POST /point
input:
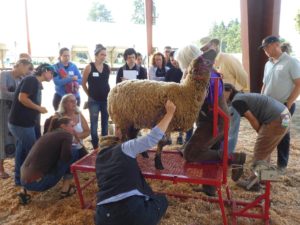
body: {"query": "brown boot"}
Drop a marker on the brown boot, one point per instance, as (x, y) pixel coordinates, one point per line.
(237, 162)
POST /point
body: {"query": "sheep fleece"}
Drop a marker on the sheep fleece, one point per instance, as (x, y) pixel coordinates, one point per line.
(141, 104)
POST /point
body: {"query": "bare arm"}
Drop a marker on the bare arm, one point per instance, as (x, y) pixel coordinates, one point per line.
(294, 94)
(26, 101)
(86, 130)
(252, 119)
(164, 123)
(85, 76)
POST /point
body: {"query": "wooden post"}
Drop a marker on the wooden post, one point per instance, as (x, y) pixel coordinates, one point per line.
(27, 29)
(258, 20)
(149, 22)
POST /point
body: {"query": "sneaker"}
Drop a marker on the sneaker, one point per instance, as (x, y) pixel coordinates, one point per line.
(281, 170)
(237, 165)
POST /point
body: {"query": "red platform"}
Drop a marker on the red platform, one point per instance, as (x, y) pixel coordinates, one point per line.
(177, 170)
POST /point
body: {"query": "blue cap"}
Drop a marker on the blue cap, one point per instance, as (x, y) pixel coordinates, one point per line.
(269, 40)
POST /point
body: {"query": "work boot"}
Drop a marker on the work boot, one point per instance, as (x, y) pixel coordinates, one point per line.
(250, 184)
(207, 189)
(237, 162)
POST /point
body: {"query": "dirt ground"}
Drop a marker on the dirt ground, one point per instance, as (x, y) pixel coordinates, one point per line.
(47, 209)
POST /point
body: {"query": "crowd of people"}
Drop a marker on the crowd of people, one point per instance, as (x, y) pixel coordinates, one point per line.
(41, 161)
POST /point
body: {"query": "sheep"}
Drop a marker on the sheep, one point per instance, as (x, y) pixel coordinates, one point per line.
(138, 104)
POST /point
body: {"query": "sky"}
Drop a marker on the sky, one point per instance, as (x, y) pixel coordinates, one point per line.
(59, 23)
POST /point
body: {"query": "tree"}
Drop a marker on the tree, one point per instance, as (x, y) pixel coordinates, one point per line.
(100, 13)
(138, 16)
(297, 19)
(229, 36)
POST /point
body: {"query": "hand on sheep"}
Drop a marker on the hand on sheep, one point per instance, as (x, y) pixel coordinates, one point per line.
(164, 123)
(170, 107)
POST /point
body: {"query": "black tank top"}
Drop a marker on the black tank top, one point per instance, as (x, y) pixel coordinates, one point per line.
(98, 83)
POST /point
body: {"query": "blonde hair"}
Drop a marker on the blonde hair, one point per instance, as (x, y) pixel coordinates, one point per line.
(185, 55)
(61, 109)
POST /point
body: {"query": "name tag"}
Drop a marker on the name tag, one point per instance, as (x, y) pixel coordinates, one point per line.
(95, 74)
(279, 67)
(71, 73)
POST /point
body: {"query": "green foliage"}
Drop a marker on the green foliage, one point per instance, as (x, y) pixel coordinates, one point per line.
(99, 13)
(229, 36)
(297, 19)
(138, 16)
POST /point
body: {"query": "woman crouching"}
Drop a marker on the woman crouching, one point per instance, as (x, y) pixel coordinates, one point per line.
(50, 158)
(124, 197)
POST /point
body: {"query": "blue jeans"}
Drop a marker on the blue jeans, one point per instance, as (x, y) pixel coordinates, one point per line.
(25, 138)
(134, 210)
(283, 148)
(94, 108)
(234, 128)
(48, 181)
(189, 134)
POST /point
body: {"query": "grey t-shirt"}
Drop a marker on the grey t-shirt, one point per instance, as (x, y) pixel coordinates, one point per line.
(264, 108)
(279, 77)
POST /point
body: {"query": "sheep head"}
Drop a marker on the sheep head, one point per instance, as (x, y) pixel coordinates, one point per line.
(199, 70)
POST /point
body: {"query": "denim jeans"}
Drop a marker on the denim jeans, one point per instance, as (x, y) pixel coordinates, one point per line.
(134, 210)
(25, 138)
(189, 134)
(234, 128)
(62, 169)
(49, 180)
(283, 148)
(94, 108)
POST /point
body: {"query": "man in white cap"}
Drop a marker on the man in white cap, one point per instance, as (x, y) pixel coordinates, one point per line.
(232, 72)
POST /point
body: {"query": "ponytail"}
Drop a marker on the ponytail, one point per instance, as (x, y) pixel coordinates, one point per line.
(56, 122)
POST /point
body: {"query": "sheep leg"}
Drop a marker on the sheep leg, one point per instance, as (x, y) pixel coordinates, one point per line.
(160, 145)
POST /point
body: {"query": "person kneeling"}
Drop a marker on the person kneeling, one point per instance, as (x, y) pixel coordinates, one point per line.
(50, 158)
(124, 197)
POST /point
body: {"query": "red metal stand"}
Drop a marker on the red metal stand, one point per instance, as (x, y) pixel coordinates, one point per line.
(178, 170)
(241, 209)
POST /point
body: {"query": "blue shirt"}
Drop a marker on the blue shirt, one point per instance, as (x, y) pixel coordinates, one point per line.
(132, 148)
(60, 82)
(279, 77)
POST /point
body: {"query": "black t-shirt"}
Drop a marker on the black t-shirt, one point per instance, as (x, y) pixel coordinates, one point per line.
(98, 83)
(174, 75)
(21, 115)
(142, 72)
(169, 64)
